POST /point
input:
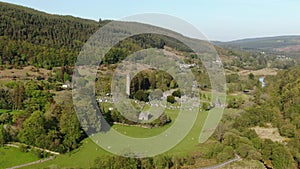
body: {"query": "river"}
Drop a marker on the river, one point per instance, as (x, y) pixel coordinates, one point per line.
(262, 80)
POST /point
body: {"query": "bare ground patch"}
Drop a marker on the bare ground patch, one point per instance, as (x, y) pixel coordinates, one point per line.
(269, 133)
(25, 73)
(261, 72)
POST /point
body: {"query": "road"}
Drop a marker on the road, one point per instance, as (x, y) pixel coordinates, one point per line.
(237, 158)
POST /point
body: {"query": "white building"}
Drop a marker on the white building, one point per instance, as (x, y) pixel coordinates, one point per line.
(144, 116)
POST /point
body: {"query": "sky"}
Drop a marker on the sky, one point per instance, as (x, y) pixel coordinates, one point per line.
(222, 20)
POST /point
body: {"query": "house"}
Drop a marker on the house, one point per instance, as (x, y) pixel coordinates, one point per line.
(144, 116)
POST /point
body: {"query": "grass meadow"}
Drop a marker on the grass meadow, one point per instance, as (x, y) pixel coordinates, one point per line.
(11, 156)
(84, 156)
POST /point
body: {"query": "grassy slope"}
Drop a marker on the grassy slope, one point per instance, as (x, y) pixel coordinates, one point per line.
(11, 156)
(84, 156)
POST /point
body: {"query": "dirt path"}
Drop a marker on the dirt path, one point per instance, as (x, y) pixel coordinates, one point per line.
(31, 163)
(237, 158)
(16, 144)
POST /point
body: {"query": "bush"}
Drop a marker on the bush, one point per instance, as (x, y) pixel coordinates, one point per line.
(141, 96)
(39, 153)
(161, 121)
(176, 93)
(287, 130)
(189, 160)
(171, 99)
(24, 148)
(231, 139)
(226, 154)
(251, 76)
(163, 162)
(206, 106)
(244, 149)
(232, 78)
(39, 77)
(235, 103)
(254, 155)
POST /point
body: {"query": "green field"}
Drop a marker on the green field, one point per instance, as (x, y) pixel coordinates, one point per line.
(11, 156)
(88, 151)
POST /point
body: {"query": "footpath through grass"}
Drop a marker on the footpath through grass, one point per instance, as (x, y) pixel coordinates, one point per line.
(12, 156)
(83, 157)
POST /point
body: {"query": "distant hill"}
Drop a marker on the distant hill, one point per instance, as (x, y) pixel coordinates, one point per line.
(287, 45)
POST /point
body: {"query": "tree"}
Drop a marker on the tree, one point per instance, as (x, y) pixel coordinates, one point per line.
(5, 118)
(70, 127)
(244, 149)
(235, 103)
(54, 141)
(226, 154)
(176, 93)
(145, 84)
(281, 157)
(162, 162)
(147, 162)
(232, 78)
(141, 96)
(152, 79)
(18, 95)
(205, 106)
(220, 131)
(171, 99)
(2, 138)
(67, 77)
(173, 84)
(251, 76)
(33, 132)
(287, 130)
(5, 99)
(231, 139)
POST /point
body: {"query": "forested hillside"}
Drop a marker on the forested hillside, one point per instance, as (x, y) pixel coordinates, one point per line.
(30, 37)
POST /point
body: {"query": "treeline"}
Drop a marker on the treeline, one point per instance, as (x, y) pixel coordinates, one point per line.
(150, 79)
(116, 162)
(36, 118)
